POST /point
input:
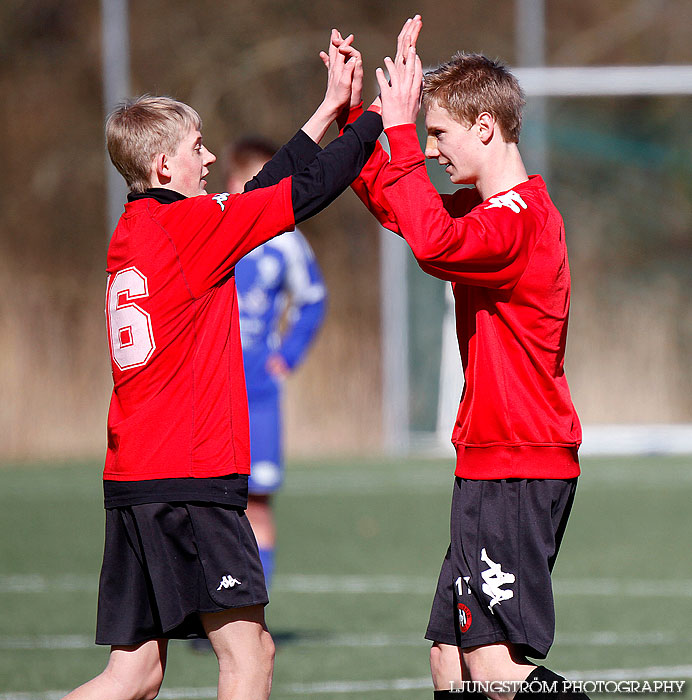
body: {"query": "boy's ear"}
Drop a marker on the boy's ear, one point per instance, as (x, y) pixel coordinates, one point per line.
(486, 125)
(161, 164)
(160, 169)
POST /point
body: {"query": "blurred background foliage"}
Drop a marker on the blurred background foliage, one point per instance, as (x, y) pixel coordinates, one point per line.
(619, 169)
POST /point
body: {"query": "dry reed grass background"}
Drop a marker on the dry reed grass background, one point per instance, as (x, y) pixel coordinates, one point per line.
(253, 65)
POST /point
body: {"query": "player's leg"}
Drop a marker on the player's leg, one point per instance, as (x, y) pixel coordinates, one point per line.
(508, 534)
(445, 667)
(494, 662)
(445, 658)
(126, 615)
(133, 673)
(260, 513)
(231, 586)
(245, 652)
(490, 663)
(267, 474)
(503, 662)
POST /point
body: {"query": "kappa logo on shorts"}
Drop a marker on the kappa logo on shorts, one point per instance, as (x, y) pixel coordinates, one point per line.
(494, 578)
(465, 618)
(228, 582)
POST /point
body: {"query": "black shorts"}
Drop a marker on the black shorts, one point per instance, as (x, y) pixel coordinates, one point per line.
(164, 563)
(495, 581)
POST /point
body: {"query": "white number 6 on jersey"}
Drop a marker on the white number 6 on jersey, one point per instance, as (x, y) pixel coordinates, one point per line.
(129, 326)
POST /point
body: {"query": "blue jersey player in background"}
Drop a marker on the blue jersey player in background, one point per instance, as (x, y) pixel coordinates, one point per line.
(282, 301)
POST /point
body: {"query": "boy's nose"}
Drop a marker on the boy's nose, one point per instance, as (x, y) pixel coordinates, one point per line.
(431, 147)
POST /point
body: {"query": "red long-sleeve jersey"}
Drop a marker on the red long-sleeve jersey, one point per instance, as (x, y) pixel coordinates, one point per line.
(179, 407)
(178, 416)
(507, 261)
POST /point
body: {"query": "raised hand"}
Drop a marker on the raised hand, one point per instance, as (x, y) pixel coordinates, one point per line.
(343, 62)
(408, 36)
(401, 96)
(337, 45)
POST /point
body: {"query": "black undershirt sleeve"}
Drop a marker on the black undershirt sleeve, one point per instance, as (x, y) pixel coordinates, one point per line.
(333, 169)
(291, 158)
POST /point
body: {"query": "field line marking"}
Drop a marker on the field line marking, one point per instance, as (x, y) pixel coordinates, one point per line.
(603, 638)
(38, 583)
(400, 684)
(68, 642)
(383, 584)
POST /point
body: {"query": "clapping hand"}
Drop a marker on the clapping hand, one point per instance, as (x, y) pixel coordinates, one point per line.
(339, 45)
(408, 36)
(401, 95)
(344, 80)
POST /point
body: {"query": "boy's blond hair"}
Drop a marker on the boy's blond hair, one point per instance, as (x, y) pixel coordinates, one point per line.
(470, 84)
(142, 127)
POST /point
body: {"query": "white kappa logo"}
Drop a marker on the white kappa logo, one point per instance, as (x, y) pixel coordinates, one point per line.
(228, 582)
(494, 578)
(220, 199)
(510, 199)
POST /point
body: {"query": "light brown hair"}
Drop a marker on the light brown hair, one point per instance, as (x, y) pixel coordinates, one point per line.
(142, 127)
(470, 84)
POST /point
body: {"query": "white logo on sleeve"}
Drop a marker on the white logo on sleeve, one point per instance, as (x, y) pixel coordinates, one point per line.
(228, 582)
(220, 199)
(494, 578)
(510, 199)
